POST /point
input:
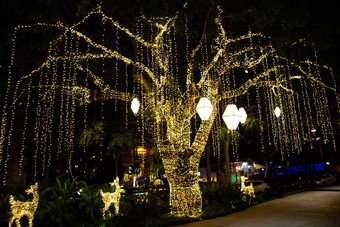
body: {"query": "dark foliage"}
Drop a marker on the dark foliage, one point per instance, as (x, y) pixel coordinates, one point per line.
(221, 199)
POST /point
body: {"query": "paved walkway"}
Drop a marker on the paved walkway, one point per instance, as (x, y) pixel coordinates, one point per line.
(320, 207)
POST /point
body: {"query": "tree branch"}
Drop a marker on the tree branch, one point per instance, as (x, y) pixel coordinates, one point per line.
(115, 54)
(107, 92)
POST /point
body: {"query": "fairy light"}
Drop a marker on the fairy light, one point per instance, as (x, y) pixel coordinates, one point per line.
(102, 100)
(307, 107)
(116, 68)
(294, 114)
(323, 102)
(187, 51)
(285, 119)
(267, 110)
(288, 119)
(62, 101)
(52, 106)
(218, 125)
(320, 99)
(269, 103)
(335, 90)
(44, 120)
(175, 55)
(20, 209)
(258, 97)
(180, 149)
(25, 126)
(37, 125)
(52, 90)
(69, 107)
(4, 112)
(85, 105)
(338, 103)
(73, 78)
(274, 120)
(9, 83)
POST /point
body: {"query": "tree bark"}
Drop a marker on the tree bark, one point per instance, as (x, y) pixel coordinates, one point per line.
(181, 160)
(265, 173)
(185, 196)
(116, 164)
(208, 165)
(227, 162)
(219, 173)
(226, 150)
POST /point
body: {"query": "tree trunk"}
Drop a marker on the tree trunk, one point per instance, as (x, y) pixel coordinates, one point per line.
(226, 151)
(185, 199)
(207, 164)
(219, 169)
(227, 162)
(265, 173)
(181, 160)
(116, 164)
(181, 173)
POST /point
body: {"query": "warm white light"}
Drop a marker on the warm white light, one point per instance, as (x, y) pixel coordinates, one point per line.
(108, 198)
(246, 71)
(204, 108)
(135, 105)
(20, 209)
(231, 117)
(243, 115)
(277, 112)
(313, 130)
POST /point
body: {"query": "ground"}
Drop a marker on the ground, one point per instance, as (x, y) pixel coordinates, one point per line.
(319, 207)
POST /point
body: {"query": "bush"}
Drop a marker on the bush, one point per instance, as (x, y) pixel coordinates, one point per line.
(89, 206)
(73, 203)
(222, 199)
(57, 204)
(4, 210)
(223, 195)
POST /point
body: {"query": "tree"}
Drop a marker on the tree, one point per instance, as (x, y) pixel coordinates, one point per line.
(168, 91)
(228, 137)
(91, 135)
(120, 142)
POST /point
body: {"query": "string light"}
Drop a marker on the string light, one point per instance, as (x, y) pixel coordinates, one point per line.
(25, 127)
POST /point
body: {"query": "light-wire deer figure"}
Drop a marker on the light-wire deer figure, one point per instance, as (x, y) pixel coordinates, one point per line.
(21, 208)
(248, 190)
(108, 198)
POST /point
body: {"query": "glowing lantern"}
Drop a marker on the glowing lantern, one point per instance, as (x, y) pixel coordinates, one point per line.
(243, 115)
(135, 105)
(204, 108)
(231, 117)
(277, 112)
